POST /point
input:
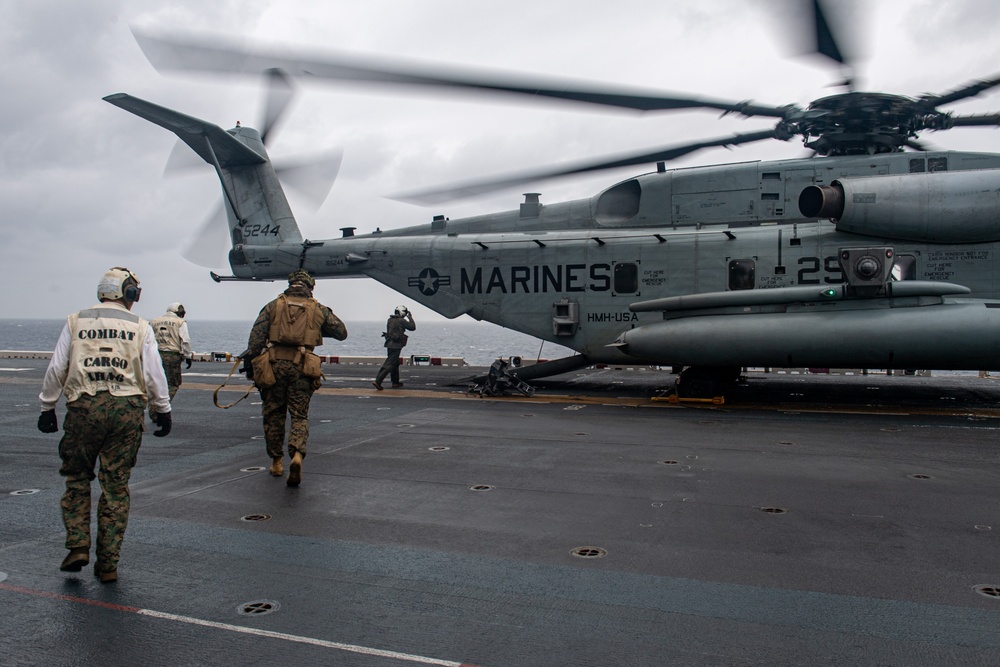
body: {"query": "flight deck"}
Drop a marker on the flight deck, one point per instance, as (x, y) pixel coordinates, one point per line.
(820, 520)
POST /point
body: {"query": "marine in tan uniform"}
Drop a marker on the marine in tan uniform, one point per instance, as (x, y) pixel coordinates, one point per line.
(174, 343)
(106, 364)
(395, 336)
(288, 329)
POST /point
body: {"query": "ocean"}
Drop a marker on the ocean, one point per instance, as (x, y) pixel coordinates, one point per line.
(479, 343)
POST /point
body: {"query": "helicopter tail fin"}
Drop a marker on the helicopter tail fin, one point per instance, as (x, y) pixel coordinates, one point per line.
(256, 207)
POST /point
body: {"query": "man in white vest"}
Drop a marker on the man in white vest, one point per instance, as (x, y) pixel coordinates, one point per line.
(107, 365)
(172, 338)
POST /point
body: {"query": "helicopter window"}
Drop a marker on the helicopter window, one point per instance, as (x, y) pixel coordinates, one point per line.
(905, 268)
(937, 164)
(626, 278)
(741, 274)
(917, 165)
(769, 196)
(619, 203)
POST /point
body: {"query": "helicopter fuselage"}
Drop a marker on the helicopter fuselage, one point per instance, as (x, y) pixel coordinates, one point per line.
(874, 261)
(569, 272)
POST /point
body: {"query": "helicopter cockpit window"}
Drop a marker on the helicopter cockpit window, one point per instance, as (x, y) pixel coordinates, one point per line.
(626, 278)
(917, 165)
(741, 274)
(905, 268)
(619, 203)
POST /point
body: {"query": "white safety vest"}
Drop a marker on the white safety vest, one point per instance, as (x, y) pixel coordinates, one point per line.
(167, 329)
(105, 353)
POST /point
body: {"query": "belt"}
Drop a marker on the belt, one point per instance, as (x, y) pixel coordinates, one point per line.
(286, 353)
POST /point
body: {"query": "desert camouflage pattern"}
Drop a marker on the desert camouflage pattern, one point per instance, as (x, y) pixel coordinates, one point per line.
(290, 394)
(106, 429)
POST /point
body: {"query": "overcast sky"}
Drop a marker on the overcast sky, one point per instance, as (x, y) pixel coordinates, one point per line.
(82, 185)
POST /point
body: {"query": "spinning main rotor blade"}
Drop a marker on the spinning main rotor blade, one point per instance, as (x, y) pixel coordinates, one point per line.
(826, 41)
(474, 188)
(279, 94)
(192, 55)
(971, 89)
(973, 121)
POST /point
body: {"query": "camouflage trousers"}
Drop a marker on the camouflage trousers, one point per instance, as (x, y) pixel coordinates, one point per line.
(390, 366)
(172, 368)
(290, 394)
(108, 429)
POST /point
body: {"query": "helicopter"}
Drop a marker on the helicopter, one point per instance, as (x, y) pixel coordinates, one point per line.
(863, 256)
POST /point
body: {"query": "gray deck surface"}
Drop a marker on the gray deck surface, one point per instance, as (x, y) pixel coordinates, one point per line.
(809, 520)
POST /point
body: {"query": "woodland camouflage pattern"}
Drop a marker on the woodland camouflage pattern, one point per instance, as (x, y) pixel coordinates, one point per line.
(108, 428)
(291, 393)
(172, 369)
(292, 390)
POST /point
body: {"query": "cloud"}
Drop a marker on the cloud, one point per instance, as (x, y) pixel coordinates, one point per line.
(82, 184)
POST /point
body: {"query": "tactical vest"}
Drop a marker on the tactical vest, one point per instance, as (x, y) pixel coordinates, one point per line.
(296, 321)
(167, 329)
(105, 353)
(395, 333)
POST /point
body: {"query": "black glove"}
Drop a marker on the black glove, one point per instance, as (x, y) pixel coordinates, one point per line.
(247, 367)
(189, 363)
(161, 419)
(47, 422)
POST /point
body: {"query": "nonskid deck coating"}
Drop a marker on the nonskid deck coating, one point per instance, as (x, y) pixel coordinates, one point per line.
(889, 526)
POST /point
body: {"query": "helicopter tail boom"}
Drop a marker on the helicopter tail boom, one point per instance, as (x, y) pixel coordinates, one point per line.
(256, 207)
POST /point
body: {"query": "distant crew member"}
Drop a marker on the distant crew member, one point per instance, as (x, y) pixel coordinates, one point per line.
(395, 336)
(287, 330)
(174, 342)
(106, 363)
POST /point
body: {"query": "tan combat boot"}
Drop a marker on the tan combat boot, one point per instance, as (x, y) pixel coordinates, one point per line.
(295, 470)
(277, 468)
(75, 559)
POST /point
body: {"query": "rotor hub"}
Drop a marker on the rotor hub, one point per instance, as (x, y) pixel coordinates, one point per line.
(861, 123)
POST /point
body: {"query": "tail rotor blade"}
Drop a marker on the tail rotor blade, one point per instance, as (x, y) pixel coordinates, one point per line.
(312, 178)
(207, 247)
(182, 159)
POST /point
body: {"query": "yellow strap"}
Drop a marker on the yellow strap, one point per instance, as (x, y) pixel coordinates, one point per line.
(215, 396)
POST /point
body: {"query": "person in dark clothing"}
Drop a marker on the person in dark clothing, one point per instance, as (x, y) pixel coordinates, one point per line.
(395, 336)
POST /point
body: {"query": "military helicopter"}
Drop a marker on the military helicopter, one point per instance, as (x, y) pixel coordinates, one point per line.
(864, 256)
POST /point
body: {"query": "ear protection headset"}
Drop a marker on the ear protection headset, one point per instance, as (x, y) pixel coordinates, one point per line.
(119, 283)
(130, 285)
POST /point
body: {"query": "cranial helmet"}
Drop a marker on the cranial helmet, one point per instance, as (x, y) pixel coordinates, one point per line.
(303, 277)
(177, 309)
(118, 283)
(401, 311)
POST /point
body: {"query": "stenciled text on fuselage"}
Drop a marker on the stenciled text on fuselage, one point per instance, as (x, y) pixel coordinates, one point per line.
(537, 279)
